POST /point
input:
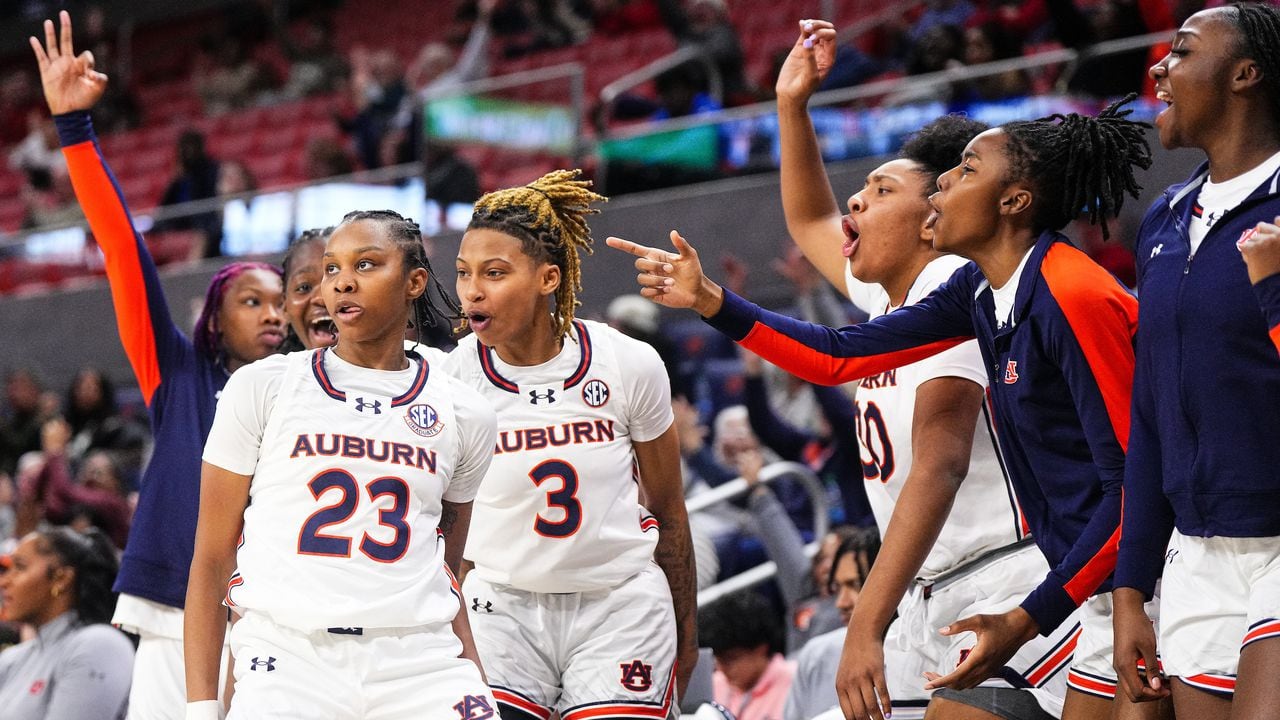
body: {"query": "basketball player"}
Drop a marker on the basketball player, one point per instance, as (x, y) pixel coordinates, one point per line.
(956, 544)
(1202, 480)
(343, 581)
(1056, 333)
(179, 377)
(582, 592)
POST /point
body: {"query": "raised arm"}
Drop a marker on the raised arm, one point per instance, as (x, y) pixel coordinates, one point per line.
(811, 209)
(72, 87)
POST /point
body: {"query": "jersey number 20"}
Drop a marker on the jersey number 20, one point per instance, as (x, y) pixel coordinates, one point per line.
(311, 541)
(565, 498)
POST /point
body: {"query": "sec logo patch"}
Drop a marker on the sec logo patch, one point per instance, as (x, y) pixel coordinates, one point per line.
(423, 420)
(595, 393)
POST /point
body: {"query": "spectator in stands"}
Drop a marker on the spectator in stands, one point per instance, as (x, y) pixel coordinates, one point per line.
(53, 204)
(639, 318)
(8, 512)
(234, 177)
(315, 64)
(38, 155)
(438, 69)
(378, 92)
(986, 43)
(535, 25)
(226, 75)
(197, 179)
(1025, 19)
(95, 420)
(752, 678)
(96, 495)
(18, 96)
(936, 49)
(705, 24)
(1113, 75)
(941, 13)
(77, 667)
(814, 688)
(21, 420)
(325, 158)
(448, 177)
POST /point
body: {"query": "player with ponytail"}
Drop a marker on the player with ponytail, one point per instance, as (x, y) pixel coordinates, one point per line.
(566, 540)
(1056, 334)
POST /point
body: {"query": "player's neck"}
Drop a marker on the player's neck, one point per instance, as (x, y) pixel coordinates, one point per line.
(900, 283)
(374, 354)
(1235, 152)
(536, 345)
(1000, 258)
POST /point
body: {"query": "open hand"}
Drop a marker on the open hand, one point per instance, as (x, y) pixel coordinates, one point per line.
(673, 279)
(70, 82)
(808, 63)
(999, 637)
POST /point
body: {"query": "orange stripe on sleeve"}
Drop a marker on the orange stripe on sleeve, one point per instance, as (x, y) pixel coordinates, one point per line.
(114, 233)
(1103, 318)
(1085, 582)
(1275, 337)
(809, 364)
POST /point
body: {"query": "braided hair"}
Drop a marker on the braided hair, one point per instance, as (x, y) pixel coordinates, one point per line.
(407, 236)
(208, 332)
(291, 342)
(937, 147)
(93, 558)
(1258, 25)
(1078, 163)
(549, 218)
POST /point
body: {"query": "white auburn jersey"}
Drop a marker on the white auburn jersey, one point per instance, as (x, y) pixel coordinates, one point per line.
(985, 515)
(559, 510)
(349, 467)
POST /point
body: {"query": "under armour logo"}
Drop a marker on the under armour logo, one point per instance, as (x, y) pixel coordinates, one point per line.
(474, 707)
(1211, 219)
(536, 397)
(637, 676)
(1011, 372)
(1169, 556)
(477, 606)
(375, 406)
(1156, 250)
(269, 664)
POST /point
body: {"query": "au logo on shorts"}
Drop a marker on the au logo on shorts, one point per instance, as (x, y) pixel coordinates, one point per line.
(637, 676)
(595, 393)
(423, 420)
(474, 707)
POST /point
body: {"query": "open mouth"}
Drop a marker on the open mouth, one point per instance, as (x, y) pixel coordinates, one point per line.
(347, 312)
(851, 235)
(323, 331)
(479, 321)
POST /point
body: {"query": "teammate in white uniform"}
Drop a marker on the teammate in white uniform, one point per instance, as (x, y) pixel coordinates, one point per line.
(582, 592)
(337, 485)
(923, 428)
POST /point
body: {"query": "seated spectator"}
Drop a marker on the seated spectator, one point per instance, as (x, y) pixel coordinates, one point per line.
(21, 420)
(986, 43)
(325, 158)
(937, 49)
(752, 677)
(77, 667)
(234, 177)
(226, 75)
(814, 689)
(39, 154)
(95, 421)
(196, 179)
(705, 24)
(1113, 75)
(315, 64)
(96, 497)
(53, 204)
(638, 318)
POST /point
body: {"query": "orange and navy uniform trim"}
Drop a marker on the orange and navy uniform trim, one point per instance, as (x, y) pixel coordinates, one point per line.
(522, 703)
(322, 377)
(1054, 660)
(624, 709)
(1072, 343)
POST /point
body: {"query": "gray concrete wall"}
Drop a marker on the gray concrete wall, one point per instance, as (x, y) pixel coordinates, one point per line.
(60, 332)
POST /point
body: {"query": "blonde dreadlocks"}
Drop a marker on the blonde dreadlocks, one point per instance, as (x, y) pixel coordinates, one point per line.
(549, 218)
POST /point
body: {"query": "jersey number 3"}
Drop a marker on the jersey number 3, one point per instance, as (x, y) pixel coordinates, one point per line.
(564, 498)
(311, 541)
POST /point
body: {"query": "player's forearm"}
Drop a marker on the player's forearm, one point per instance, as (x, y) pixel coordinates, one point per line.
(810, 208)
(462, 628)
(674, 555)
(917, 520)
(204, 625)
(455, 522)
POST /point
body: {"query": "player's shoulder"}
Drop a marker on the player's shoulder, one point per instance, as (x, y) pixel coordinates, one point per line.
(938, 271)
(267, 370)
(625, 349)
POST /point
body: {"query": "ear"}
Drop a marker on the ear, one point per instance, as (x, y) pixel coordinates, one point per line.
(417, 283)
(1245, 74)
(550, 278)
(1015, 200)
(926, 232)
